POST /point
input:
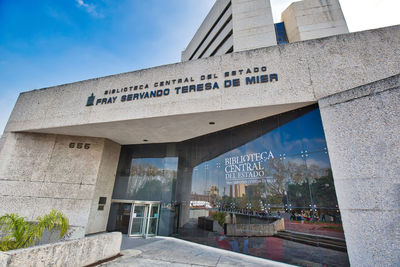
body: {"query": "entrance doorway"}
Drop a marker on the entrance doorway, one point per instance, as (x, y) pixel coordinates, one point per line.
(144, 219)
(119, 218)
(134, 218)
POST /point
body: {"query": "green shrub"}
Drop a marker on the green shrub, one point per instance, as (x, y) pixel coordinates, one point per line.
(219, 217)
(17, 232)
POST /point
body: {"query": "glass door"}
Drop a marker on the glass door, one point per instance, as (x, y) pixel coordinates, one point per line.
(138, 219)
(153, 220)
(144, 219)
(120, 215)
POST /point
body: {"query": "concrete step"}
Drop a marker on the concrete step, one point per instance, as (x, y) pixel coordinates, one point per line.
(314, 240)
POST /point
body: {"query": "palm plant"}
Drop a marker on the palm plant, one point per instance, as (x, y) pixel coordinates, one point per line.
(219, 217)
(16, 232)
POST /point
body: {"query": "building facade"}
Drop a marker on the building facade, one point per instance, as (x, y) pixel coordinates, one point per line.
(287, 138)
(237, 25)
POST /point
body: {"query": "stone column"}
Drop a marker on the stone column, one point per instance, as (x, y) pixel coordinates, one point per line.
(312, 19)
(40, 172)
(253, 25)
(362, 128)
(98, 218)
(183, 190)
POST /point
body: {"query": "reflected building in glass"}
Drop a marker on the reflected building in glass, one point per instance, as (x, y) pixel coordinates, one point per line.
(269, 180)
(228, 148)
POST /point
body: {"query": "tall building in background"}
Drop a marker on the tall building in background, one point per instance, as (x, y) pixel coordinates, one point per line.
(312, 19)
(239, 25)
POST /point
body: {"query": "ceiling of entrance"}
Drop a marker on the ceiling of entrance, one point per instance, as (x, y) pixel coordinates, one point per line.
(171, 128)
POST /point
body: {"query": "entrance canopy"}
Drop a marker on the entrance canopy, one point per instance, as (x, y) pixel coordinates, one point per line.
(175, 102)
(172, 128)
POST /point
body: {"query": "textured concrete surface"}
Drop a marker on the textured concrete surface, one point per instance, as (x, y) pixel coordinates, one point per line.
(216, 35)
(73, 253)
(205, 27)
(307, 71)
(253, 24)
(167, 251)
(40, 172)
(249, 24)
(260, 229)
(74, 232)
(311, 19)
(98, 219)
(362, 127)
(220, 44)
(2, 141)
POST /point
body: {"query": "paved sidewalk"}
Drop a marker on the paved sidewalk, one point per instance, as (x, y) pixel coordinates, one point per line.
(168, 251)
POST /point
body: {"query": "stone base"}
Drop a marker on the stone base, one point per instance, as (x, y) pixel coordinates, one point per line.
(79, 252)
(269, 229)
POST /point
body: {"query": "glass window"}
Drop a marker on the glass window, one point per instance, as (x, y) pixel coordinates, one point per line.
(264, 188)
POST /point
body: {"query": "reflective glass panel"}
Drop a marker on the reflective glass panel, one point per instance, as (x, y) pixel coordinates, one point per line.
(264, 188)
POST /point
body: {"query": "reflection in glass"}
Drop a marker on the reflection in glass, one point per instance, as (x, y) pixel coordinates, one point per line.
(153, 220)
(118, 219)
(264, 188)
(139, 220)
(148, 179)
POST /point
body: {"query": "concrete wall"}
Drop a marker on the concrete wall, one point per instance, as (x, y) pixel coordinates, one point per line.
(264, 229)
(40, 172)
(207, 31)
(246, 24)
(311, 19)
(53, 236)
(362, 129)
(80, 252)
(222, 43)
(253, 24)
(307, 71)
(104, 187)
(195, 213)
(2, 141)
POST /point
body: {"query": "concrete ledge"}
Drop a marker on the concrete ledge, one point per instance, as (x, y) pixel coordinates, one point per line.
(266, 229)
(53, 236)
(79, 252)
(209, 224)
(49, 237)
(361, 91)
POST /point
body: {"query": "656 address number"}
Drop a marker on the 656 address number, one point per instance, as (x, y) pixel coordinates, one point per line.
(79, 145)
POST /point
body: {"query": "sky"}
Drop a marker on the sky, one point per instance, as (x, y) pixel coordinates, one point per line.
(50, 42)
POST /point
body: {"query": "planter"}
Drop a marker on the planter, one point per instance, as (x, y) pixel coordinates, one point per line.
(77, 252)
(265, 229)
(209, 224)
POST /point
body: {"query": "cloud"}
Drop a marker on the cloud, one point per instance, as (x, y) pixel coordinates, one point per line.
(90, 8)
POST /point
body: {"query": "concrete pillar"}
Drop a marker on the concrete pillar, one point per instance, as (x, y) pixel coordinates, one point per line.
(41, 172)
(98, 218)
(312, 19)
(253, 24)
(362, 128)
(183, 190)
